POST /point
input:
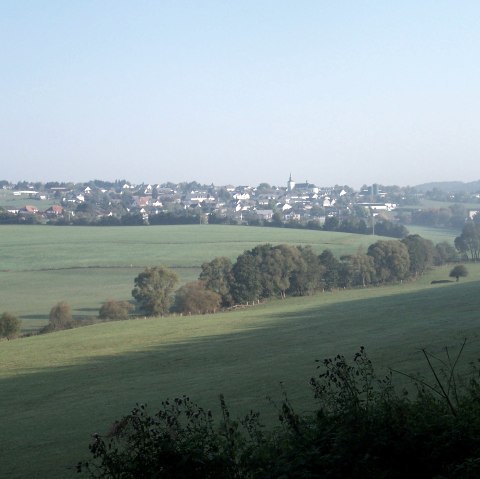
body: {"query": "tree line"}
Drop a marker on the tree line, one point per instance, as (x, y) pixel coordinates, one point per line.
(263, 272)
(268, 271)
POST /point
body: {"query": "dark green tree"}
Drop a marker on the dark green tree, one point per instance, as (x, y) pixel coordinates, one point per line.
(307, 277)
(218, 276)
(421, 253)
(331, 223)
(391, 261)
(153, 290)
(331, 267)
(459, 271)
(361, 269)
(246, 286)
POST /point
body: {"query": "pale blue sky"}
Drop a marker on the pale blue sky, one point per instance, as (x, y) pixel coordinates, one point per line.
(337, 92)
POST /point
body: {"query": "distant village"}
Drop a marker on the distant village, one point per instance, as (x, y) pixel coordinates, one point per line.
(294, 203)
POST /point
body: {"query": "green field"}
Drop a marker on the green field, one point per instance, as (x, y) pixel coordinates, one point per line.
(41, 265)
(58, 389)
(7, 199)
(437, 235)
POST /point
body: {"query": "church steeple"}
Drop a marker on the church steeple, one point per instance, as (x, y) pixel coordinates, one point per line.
(290, 184)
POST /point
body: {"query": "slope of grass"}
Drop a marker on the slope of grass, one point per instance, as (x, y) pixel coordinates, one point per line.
(57, 390)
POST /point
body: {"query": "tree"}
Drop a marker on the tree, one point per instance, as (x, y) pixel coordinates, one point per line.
(361, 269)
(331, 267)
(468, 242)
(195, 298)
(444, 253)
(331, 223)
(153, 290)
(307, 277)
(9, 326)
(246, 284)
(391, 260)
(421, 252)
(218, 276)
(115, 310)
(61, 317)
(459, 271)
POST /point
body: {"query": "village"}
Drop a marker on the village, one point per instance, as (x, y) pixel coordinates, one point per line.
(294, 202)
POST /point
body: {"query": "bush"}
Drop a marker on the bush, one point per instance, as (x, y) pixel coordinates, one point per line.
(361, 428)
(60, 317)
(196, 299)
(9, 326)
(115, 310)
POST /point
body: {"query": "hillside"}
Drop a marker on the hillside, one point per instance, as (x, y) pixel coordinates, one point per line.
(450, 186)
(60, 388)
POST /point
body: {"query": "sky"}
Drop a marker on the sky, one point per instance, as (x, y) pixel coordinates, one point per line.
(240, 92)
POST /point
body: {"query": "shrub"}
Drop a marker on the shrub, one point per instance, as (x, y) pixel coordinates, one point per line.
(361, 428)
(60, 317)
(115, 310)
(196, 299)
(9, 326)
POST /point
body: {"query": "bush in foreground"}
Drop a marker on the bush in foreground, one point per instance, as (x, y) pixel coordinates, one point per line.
(361, 428)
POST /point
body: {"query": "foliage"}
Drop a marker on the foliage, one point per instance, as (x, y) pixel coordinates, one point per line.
(388, 228)
(444, 253)
(153, 290)
(361, 428)
(360, 268)
(391, 260)
(60, 317)
(421, 252)
(9, 326)
(195, 298)
(115, 310)
(307, 277)
(331, 267)
(217, 275)
(468, 242)
(246, 285)
(459, 271)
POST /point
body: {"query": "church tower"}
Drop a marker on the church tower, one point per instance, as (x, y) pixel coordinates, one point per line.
(290, 184)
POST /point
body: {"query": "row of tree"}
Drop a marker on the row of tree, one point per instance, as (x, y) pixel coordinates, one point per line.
(284, 270)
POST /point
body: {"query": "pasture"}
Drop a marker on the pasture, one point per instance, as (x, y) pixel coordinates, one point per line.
(42, 265)
(58, 389)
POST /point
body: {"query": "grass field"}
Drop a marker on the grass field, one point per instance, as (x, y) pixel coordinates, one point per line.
(7, 199)
(58, 389)
(41, 265)
(437, 235)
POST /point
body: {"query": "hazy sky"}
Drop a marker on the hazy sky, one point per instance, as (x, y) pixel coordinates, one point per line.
(242, 92)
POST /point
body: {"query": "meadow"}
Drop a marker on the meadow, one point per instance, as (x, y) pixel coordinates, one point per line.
(58, 389)
(42, 265)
